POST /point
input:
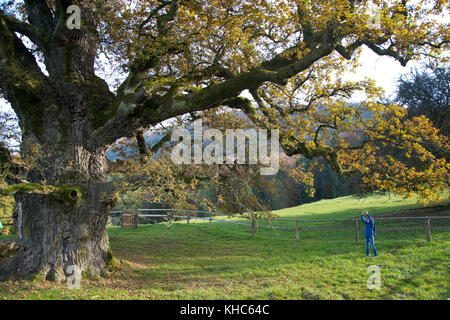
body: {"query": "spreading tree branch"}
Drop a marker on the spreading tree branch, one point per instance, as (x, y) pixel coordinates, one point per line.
(39, 15)
(156, 109)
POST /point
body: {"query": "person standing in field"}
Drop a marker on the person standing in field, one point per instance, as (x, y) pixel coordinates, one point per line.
(369, 233)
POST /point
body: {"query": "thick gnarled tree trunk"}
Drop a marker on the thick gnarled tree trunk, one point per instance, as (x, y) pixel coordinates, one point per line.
(55, 236)
(60, 230)
(59, 114)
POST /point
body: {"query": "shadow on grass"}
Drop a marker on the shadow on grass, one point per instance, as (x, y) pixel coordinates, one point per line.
(226, 251)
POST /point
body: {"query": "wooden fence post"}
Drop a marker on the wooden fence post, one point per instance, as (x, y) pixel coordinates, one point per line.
(210, 219)
(297, 231)
(357, 230)
(252, 225)
(428, 229)
(188, 216)
(137, 219)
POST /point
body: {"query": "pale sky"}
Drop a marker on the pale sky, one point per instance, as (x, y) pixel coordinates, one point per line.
(384, 70)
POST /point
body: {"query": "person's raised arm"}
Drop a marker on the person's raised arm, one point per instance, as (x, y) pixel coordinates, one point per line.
(362, 218)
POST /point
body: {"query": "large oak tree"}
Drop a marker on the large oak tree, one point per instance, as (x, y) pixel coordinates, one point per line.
(182, 57)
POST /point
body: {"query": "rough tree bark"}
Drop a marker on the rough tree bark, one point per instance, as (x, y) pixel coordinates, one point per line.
(58, 113)
(57, 235)
(66, 227)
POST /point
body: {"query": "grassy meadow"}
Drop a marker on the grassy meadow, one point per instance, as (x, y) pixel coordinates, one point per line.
(195, 261)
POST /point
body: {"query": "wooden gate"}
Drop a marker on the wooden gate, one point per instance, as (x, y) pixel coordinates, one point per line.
(128, 220)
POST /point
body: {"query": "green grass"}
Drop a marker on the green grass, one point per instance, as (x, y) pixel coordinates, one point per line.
(181, 261)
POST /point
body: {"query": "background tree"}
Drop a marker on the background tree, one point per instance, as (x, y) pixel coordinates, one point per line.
(427, 92)
(180, 57)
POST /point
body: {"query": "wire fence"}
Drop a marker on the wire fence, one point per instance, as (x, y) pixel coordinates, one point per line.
(130, 219)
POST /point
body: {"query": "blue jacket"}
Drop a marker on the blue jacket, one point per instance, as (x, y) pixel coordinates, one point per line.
(370, 226)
